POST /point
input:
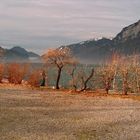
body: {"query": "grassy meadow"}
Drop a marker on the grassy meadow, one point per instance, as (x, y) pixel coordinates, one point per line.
(27, 114)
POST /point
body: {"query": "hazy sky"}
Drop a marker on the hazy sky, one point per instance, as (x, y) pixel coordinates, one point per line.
(40, 24)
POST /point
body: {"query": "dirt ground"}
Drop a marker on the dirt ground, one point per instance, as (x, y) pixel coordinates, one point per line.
(41, 115)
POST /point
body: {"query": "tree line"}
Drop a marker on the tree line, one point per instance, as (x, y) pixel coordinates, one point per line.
(120, 74)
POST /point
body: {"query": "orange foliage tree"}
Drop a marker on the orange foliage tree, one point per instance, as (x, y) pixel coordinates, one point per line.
(34, 78)
(59, 58)
(16, 72)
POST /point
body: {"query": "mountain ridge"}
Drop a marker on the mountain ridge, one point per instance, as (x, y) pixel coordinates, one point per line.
(17, 54)
(92, 51)
(126, 42)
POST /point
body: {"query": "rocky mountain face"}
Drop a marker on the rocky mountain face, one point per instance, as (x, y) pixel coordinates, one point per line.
(17, 54)
(127, 42)
(129, 33)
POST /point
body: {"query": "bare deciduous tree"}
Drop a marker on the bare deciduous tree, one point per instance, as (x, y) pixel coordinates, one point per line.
(135, 74)
(86, 79)
(124, 70)
(115, 60)
(107, 76)
(82, 76)
(125, 85)
(71, 70)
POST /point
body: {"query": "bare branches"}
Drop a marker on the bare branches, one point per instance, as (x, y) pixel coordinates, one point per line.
(71, 70)
(107, 74)
(85, 81)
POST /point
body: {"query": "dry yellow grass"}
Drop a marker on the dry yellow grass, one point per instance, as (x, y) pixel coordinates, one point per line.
(41, 115)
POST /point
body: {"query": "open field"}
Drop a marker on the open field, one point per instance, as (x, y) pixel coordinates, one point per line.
(41, 115)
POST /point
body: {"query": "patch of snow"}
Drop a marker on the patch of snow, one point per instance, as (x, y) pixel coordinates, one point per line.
(81, 43)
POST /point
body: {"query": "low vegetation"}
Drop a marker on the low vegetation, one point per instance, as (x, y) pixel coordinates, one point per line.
(2, 68)
(34, 78)
(16, 72)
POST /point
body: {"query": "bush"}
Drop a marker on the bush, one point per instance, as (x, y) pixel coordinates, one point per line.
(34, 78)
(2, 68)
(16, 72)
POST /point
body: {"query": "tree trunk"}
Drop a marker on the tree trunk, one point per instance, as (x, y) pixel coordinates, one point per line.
(125, 88)
(43, 79)
(107, 86)
(58, 77)
(43, 82)
(125, 91)
(86, 81)
(114, 81)
(107, 90)
(72, 76)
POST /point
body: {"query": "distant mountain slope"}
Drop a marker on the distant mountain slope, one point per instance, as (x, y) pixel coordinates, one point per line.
(92, 51)
(126, 42)
(18, 54)
(129, 33)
